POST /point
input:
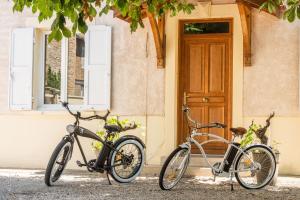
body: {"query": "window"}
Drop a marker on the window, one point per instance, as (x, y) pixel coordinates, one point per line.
(63, 71)
(76, 70)
(207, 27)
(52, 72)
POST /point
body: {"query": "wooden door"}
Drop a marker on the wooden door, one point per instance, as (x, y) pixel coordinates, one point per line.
(205, 81)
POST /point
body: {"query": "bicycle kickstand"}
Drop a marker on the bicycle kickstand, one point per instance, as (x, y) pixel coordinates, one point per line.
(231, 182)
(107, 175)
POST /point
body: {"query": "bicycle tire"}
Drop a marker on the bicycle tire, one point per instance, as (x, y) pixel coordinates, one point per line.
(112, 158)
(53, 159)
(165, 165)
(241, 155)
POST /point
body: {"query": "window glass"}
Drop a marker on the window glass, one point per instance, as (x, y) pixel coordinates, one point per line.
(52, 72)
(76, 70)
(205, 28)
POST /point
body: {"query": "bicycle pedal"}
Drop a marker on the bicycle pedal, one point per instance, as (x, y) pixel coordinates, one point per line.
(80, 164)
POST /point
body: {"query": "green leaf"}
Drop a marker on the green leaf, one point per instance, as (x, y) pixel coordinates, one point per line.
(58, 36)
(66, 32)
(263, 6)
(92, 11)
(82, 27)
(34, 9)
(291, 17)
(51, 35)
(271, 7)
(74, 28)
(41, 17)
(298, 12)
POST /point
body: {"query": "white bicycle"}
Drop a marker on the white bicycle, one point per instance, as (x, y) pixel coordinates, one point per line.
(253, 166)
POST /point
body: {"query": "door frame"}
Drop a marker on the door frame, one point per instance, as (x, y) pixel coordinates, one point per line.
(180, 70)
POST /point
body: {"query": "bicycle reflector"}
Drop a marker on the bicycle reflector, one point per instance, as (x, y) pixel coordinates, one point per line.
(230, 156)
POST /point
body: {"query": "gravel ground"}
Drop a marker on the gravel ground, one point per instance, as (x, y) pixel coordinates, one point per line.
(29, 184)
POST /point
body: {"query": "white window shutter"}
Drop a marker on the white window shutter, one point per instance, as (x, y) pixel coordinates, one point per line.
(98, 67)
(21, 64)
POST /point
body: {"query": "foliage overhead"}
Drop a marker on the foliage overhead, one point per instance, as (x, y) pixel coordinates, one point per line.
(79, 11)
(287, 9)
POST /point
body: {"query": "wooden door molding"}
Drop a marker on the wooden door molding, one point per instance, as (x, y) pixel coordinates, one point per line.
(209, 44)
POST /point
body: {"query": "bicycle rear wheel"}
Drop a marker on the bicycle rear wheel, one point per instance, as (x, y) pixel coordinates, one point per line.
(255, 167)
(128, 164)
(174, 168)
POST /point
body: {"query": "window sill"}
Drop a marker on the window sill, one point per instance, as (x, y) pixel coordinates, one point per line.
(74, 108)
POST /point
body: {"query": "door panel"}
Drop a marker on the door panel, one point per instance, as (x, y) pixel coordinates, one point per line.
(196, 74)
(205, 78)
(216, 67)
(216, 114)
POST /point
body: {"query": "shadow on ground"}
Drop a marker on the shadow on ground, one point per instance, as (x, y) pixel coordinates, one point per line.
(29, 184)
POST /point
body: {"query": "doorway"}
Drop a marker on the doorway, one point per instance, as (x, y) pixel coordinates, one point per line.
(205, 77)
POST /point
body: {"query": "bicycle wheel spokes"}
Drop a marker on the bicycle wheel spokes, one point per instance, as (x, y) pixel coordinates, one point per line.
(175, 168)
(129, 162)
(256, 167)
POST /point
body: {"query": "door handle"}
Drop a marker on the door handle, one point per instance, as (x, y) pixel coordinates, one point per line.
(205, 99)
(185, 98)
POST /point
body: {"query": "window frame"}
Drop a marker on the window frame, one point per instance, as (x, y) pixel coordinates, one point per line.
(64, 78)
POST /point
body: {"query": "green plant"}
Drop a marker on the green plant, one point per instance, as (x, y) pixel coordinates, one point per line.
(78, 11)
(53, 78)
(250, 135)
(97, 146)
(287, 9)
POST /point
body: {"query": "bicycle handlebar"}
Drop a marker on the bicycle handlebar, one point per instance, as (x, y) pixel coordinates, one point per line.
(198, 125)
(78, 114)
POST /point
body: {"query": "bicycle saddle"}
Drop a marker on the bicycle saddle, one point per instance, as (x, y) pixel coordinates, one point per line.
(239, 131)
(112, 128)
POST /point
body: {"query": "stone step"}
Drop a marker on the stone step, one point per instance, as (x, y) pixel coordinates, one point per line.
(154, 171)
(197, 160)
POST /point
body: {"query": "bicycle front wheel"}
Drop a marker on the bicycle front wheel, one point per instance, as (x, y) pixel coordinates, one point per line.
(255, 167)
(174, 168)
(58, 162)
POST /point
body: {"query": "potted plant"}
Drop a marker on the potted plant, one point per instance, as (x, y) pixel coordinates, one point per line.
(258, 132)
(96, 145)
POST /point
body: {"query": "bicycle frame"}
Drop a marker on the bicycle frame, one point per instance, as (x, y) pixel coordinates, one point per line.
(216, 138)
(76, 130)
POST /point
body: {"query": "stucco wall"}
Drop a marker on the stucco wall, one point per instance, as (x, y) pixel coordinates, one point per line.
(272, 84)
(29, 137)
(148, 95)
(137, 84)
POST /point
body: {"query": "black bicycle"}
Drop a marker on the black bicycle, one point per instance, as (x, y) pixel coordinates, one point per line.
(123, 159)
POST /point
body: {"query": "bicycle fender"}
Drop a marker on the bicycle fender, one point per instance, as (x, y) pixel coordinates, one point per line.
(128, 137)
(185, 145)
(268, 147)
(69, 139)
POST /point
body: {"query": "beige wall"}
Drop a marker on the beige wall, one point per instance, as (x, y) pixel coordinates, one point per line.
(28, 138)
(142, 92)
(272, 84)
